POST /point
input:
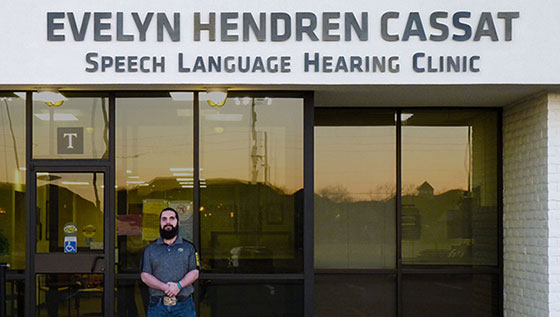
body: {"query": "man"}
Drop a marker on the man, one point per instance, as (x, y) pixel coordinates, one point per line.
(170, 267)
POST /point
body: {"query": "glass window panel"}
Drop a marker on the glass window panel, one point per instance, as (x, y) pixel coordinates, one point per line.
(251, 298)
(132, 298)
(15, 298)
(340, 295)
(76, 129)
(450, 295)
(355, 182)
(449, 200)
(154, 170)
(12, 181)
(64, 198)
(69, 294)
(251, 153)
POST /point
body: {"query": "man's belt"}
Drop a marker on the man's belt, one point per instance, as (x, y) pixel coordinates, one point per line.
(169, 301)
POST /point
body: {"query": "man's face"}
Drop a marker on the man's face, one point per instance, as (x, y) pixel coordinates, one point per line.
(168, 220)
(168, 224)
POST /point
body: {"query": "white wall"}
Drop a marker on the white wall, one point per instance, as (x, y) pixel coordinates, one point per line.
(526, 208)
(554, 203)
(27, 57)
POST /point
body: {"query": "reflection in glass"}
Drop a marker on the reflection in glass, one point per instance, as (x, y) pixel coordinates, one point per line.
(251, 298)
(15, 298)
(449, 191)
(450, 295)
(69, 294)
(251, 154)
(74, 130)
(154, 171)
(132, 298)
(12, 181)
(354, 189)
(69, 198)
(340, 295)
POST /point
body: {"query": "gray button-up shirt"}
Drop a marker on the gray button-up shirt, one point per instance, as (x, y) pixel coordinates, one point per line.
(170, 263)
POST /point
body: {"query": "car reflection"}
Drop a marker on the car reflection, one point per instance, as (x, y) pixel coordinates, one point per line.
(251, 259)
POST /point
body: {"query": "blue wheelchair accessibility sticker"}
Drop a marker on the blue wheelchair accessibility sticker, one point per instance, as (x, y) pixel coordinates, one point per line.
(70, 245)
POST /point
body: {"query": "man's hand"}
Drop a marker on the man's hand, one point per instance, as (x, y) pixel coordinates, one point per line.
(153, 282)
(172, 289)
(164, 287)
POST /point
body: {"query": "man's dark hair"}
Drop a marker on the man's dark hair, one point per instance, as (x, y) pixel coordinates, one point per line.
(169, 209)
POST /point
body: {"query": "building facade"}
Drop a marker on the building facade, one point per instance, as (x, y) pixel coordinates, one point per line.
(332, 159)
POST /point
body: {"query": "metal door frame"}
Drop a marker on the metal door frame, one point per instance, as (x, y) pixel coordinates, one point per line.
(104, 165)
(107, 166)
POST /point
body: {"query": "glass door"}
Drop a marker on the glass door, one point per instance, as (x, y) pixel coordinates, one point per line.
(70, 251)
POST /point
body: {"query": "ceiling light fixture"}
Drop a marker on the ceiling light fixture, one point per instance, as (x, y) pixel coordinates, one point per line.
(216, 96)
(75, 183)
(182, 174)
(50, 97)
(181, 96)
(406, 116)
(224, 117)
(181, 169)
(135, 182)
(56, 117)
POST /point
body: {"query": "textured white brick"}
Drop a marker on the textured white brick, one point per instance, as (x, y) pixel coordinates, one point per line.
(553, 204)
(531, 221)
(527, 184)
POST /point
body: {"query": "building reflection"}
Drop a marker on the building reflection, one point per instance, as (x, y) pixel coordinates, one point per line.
(244, 227)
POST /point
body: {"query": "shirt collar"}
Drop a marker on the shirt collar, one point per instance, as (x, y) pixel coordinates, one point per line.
(178, 241)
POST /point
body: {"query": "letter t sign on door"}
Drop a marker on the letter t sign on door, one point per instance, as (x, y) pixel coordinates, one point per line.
(70, 140)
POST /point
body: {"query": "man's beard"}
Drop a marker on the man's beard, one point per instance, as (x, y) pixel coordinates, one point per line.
(168, 234)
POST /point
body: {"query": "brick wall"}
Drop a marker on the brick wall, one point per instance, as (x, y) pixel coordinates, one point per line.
(526, 227)
(554, 204)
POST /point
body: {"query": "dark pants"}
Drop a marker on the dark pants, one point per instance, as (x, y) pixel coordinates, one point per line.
(182, 309)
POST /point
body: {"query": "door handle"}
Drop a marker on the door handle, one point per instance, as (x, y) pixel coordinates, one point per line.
(94, 264)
